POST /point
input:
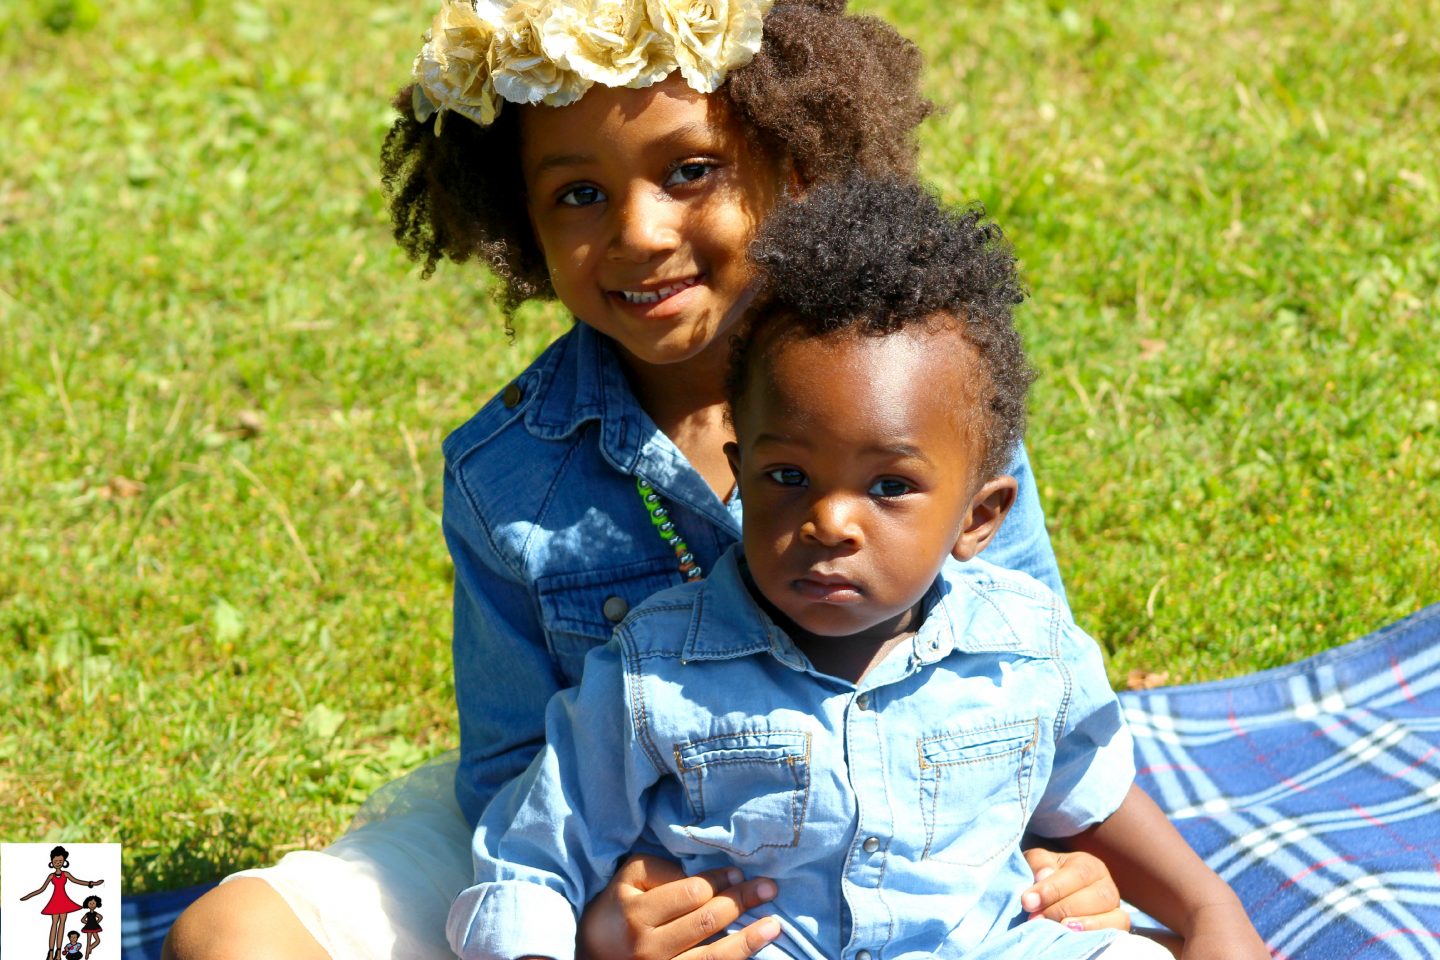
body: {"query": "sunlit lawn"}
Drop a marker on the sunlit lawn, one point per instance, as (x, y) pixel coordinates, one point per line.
(224, 599)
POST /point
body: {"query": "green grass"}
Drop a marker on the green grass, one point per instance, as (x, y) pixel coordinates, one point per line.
(218, 639)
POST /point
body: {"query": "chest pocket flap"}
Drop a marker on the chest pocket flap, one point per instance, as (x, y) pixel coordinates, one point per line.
(975, 790)
(579, 611)
(748, 790)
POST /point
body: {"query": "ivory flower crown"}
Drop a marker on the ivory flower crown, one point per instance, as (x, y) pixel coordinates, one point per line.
(480, 52)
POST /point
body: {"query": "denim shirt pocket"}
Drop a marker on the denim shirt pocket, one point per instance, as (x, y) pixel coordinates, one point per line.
(579, 611)
(748, 791)
(975, 791)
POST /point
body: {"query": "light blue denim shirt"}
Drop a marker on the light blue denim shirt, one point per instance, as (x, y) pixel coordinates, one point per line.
(889, 812)
(552, 546)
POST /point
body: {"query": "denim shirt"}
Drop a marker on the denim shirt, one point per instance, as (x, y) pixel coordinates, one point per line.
(551, 545)
(889, 811)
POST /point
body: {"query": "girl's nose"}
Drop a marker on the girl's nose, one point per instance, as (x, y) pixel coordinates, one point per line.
(833, 523)
(646, 224)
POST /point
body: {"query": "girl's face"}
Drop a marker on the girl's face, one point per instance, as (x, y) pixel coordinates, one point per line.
(57, 861)
(644, 202)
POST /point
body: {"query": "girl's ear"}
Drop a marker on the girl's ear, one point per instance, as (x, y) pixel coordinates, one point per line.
(984, 518)
(732, 454)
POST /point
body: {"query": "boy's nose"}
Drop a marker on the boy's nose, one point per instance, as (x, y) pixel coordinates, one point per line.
(645, 225)
(832, 523)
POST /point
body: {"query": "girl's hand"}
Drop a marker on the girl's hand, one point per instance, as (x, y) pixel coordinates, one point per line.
(1075, 889)
(652, 911)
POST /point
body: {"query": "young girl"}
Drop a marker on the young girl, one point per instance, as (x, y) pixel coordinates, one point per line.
(90, 923)
(60, 905)
(618, 155)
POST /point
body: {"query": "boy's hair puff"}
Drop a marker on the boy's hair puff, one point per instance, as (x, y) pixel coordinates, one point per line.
(829, 94)
(872, 257)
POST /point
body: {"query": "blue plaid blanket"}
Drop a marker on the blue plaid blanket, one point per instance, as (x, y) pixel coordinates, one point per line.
(1313, 789)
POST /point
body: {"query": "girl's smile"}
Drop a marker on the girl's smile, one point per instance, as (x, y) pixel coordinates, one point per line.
(644, 202)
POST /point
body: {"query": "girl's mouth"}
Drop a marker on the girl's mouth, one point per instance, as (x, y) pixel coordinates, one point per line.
(659, 293)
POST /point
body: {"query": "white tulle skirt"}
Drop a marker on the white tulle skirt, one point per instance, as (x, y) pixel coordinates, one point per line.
(381, 891)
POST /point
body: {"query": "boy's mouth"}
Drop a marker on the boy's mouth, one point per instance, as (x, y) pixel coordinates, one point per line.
(827, 588)
(657, 294)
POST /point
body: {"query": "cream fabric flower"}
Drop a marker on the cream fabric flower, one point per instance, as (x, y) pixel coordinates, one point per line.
(608, 41)
(451, 71)
(521, 69)
(710, 37)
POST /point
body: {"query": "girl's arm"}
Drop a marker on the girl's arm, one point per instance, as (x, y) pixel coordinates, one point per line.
(1159, 873)
(83, 883)
(552, 836)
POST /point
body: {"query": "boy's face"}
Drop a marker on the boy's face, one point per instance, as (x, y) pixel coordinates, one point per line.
(857, 462)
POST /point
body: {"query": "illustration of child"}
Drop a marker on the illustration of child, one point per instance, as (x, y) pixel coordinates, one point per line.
(617, 156)
(59, 907)
(72, 949)
(840, 705)
(90, 923)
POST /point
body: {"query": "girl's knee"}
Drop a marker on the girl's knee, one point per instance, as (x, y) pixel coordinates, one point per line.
(241, 920)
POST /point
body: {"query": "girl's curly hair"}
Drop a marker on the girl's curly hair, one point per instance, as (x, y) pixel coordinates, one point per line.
(829, 92)
(873, 257)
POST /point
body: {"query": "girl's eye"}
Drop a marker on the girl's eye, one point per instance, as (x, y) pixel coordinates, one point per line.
(889, 487)
(787, 476)
(581, 196)
(688, 173)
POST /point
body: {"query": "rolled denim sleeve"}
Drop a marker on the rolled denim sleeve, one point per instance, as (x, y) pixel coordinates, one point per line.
(1094, 755)
(504, 675)
(551, 839)
(1023, 542)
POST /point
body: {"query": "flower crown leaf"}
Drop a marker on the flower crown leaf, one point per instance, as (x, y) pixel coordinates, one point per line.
(478, 53)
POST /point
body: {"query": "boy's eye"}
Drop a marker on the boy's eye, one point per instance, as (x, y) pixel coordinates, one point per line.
(688, 173)
(787, 476)
(889, 487)
(581, 196)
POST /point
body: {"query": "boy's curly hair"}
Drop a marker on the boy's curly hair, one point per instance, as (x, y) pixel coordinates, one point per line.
(831, 93)
(872, 257)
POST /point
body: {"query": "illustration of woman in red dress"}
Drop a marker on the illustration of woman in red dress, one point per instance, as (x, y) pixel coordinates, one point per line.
(60, 906)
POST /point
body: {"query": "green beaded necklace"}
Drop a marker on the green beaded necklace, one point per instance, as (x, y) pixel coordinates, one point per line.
(665, 527)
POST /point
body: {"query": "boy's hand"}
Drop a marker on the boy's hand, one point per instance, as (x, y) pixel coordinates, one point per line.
(1074, 889)
(651, 911)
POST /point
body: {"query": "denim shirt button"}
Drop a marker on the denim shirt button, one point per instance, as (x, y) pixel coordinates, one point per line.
(862, 955)
(615, 609)
(871, 844)
(863, 701)
(512, 395)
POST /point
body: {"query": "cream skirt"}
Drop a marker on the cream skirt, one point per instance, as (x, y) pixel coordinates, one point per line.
(381, 891)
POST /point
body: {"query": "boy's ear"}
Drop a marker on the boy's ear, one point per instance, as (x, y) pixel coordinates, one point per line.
(732, 454)
(986, 514)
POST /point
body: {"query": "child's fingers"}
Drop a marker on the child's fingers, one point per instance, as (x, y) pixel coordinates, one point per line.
(1073, 886)
(689, 911)
(1116, 919)
(642, 872)
(739, 945)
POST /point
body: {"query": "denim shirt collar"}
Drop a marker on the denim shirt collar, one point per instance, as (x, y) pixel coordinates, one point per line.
(584, 383)
(726, 622)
